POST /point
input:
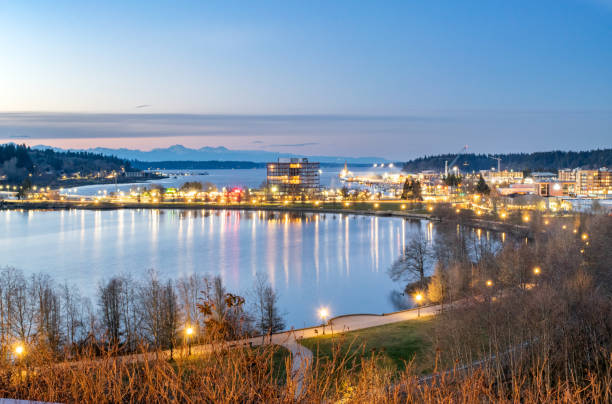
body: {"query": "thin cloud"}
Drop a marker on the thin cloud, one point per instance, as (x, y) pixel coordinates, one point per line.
(295, 144)
(142, 106)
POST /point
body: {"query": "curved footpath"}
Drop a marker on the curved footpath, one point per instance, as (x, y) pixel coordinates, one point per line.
(302, 356)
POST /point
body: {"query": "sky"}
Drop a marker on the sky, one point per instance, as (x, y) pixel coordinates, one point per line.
(396, 79)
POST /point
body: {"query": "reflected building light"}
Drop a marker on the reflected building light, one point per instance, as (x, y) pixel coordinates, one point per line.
(346, 246)
(376, 242)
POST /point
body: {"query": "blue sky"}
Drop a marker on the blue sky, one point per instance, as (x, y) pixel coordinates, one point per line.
(444, 73)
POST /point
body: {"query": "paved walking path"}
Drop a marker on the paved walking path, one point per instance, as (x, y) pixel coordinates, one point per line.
(302, 357)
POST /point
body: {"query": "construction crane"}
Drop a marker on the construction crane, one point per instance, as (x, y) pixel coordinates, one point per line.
(498, 162)
(459, 153)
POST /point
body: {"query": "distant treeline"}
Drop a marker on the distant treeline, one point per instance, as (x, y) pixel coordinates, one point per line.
(18, 162)
(540, 161)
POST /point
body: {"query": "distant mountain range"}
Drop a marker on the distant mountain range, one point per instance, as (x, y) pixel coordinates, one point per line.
(182, 153)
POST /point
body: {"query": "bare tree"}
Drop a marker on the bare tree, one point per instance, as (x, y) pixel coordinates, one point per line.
(189, 290)
(268, 319)
(71, 313)
(437, 289)
(412, 263)
(22, 308)
(130, 315)
(159, 312)
(109, 301)
(171, 316)
(48, 315)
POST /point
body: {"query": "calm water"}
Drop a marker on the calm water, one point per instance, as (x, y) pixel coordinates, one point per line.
(313, 260)
(251, 178)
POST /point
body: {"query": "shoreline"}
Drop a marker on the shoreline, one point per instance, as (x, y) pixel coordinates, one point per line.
(500, 227)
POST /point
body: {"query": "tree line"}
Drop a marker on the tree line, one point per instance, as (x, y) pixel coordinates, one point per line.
(539, 161)
(18, 162)
(127, 314)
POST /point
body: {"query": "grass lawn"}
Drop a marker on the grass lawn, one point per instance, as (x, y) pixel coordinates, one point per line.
(277, 362)
(395, 343)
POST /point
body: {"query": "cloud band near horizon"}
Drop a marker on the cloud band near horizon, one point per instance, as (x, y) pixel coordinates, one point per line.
(397, 137)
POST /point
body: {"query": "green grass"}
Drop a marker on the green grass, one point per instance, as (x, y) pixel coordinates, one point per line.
(278, 360)
(395, 344)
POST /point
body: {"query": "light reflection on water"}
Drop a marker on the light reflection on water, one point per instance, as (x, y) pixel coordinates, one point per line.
(310, 259)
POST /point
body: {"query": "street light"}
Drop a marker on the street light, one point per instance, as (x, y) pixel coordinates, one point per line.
(489, 283)
(585, 236)
(418, 297)
(189, 332)
(537, 270)
(323, 313)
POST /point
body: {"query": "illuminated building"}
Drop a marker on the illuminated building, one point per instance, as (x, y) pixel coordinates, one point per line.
(499, 177)
(555, 188)
(567, 175)
(594, 182)
(294, 176)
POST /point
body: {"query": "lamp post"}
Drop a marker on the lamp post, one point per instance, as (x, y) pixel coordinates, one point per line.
(19, 352)
(189, 332)
(323, 313)
(418, 298)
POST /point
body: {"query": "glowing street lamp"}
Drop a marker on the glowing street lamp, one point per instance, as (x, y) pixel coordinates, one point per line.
(403, 206)
(323, 313)
(189, 331)
(585, 236)
(418, 298)
(376, 205)
(489, 283)
(537, 270)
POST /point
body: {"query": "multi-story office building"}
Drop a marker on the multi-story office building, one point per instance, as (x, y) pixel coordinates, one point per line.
(294, 176)
(567, 175)
(594, 182)
(500, 177)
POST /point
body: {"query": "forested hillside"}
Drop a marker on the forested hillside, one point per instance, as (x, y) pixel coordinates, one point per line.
(540, 161)
(18, 162)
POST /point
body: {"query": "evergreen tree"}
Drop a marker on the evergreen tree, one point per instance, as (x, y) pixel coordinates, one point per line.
(416, 191)
(407, 189)
(482, 186)
(453, 180)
